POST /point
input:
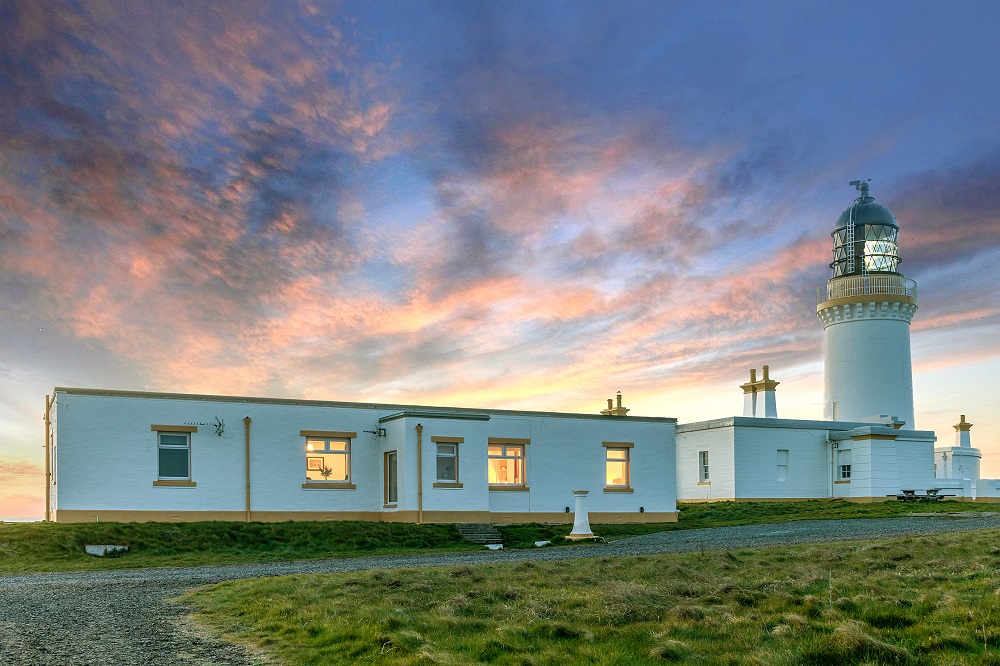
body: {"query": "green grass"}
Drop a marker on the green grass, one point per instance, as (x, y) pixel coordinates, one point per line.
(914, 600)
(59, 547)
(694, 515)
(28, 547)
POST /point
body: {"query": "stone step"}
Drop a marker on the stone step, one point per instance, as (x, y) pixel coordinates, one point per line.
(482, 533)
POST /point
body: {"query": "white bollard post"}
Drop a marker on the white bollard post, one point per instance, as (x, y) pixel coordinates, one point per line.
(581, 518)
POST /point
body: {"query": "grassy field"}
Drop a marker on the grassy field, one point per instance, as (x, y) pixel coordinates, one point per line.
(915, 600)
(59, 547)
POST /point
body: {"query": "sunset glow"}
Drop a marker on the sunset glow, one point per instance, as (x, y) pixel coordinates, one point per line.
(479, 204)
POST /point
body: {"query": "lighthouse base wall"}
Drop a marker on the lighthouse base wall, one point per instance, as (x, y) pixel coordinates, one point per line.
(867, 366)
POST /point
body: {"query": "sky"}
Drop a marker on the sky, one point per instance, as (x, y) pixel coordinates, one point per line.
(525, 205)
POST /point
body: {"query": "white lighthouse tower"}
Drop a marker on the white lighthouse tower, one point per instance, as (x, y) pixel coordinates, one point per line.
(866, 308)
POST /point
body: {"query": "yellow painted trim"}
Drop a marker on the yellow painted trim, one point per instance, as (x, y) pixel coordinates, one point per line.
(869, 298)
(618, 445)
(597, 518)
(438, 484)
(447, 440)
(334, 434)
(859, 438)
(613, 489)
(704, 483)
(841, 482)
(509, 488)
(329, 486)
(508, 440)
(171, 483)
(173, 428)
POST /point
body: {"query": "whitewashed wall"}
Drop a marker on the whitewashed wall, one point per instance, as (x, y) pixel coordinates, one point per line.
(107, 457)
(716, 437)
(756, 449)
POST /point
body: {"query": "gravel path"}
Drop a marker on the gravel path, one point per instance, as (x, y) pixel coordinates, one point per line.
(127, 618)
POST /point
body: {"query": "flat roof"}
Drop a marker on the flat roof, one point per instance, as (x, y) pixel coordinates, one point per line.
(439, 412)
(764, 422)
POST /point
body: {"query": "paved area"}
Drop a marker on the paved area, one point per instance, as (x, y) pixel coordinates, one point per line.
(126, 617)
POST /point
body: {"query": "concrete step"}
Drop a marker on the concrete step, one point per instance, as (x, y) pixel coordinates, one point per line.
(483, 533)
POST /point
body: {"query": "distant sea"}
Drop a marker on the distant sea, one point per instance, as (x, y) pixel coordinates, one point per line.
(18, 519)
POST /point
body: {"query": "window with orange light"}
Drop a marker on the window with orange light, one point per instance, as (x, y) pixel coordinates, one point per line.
(328, 459)
(506, 464)
(617, 467)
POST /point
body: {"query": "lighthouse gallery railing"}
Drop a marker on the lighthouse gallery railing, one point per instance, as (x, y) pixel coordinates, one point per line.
(870, 285)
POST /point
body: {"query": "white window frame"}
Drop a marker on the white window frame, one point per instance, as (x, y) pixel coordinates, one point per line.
(511, 449)
(845, 472)
(704, 475)
(446, 442)
(324, 439)
(175, 431)
(782, 463)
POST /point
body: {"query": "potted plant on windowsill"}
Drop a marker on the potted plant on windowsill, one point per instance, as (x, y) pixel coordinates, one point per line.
(326, 472)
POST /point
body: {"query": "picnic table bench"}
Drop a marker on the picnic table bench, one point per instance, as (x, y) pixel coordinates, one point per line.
(930, 495)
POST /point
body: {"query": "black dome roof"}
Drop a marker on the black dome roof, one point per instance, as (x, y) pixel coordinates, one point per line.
(866, 211)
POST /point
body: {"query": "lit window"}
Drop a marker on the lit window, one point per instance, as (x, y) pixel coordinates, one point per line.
(506, 464)
(782, 464)
(328, 459)
(617, 467)
(703, 466)
(174, 455)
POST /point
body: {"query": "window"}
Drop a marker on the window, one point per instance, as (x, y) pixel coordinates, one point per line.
(617, 470)
(446, 461)
(844, 465)
(782, 464)
(703, 466)
(173, 455)
(328, 459)
(506, 464)
(391, 480)
(174, 451)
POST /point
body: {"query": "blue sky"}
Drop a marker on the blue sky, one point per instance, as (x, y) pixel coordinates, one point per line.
(494, 204)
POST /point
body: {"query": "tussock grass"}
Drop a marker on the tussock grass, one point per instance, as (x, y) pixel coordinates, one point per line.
(59, 547)
(842, 603)
(694, 515)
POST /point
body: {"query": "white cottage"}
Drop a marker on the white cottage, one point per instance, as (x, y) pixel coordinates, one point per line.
(134, 456)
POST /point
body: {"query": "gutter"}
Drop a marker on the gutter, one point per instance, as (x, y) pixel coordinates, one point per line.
(48, 459)
(420, 474)
(246, 428)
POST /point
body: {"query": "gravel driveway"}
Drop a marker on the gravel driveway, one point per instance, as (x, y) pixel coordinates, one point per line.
(127, 618)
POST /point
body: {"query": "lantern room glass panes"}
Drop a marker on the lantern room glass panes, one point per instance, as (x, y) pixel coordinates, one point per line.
(874, 249)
